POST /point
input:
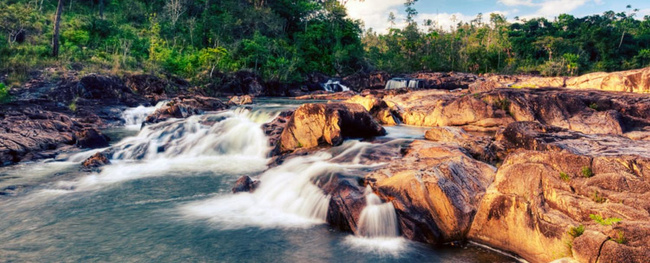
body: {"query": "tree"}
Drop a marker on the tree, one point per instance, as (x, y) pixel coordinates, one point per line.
(57, 23)
(175, 9)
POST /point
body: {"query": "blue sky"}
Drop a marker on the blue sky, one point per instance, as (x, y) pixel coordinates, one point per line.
(374, 13)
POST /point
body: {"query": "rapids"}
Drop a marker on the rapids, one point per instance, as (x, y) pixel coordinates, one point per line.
(166, 198)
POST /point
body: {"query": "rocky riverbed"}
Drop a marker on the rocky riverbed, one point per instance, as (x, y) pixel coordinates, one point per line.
(544, 168)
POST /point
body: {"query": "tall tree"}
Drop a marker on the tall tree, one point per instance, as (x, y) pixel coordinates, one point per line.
(57, 23)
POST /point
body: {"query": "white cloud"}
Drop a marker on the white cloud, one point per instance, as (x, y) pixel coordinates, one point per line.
(556, 7)
(516, 2)
(374, 14)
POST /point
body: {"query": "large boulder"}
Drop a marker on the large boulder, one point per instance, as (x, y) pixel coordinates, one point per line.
(540, 198)
(313, 125)
(637, 81)
(363, 81)
(435, 189)
(377, 108)
(240, 100)
(445, 81)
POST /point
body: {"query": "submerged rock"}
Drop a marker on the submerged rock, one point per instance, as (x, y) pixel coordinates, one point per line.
(245, 184)
(95, 161)
(312, 125)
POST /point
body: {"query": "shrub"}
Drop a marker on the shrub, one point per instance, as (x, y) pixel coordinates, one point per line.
(4, 93)
(587, 172)
(564, 176)
(593, 106)
(503, 104)
(576, 231)
(604, 221)
(620, 238)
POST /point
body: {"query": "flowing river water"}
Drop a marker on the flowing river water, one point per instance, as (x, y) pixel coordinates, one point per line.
(167, 197)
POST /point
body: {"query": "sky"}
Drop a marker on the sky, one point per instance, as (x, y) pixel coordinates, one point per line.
(374, 13)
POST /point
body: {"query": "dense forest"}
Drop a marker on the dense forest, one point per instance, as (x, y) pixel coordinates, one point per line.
(282, 40)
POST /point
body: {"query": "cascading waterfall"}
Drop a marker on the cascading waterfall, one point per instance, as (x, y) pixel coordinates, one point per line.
(377, 219)
(334, 86)
(133, 117)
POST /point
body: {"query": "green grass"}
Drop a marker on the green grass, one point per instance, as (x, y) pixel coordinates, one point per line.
(587, 172)
(576, 231)
(564, 176)
(604, 221)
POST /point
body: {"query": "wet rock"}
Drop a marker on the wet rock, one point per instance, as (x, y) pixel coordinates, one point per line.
(446, 81)
(151, 87)
(95, 161)
(28, 132)
(274, 128)
(241, 100)
(185, 106)
(245, 184)
(346, 203)
(312, 125)
(435, 189)
(91, 138)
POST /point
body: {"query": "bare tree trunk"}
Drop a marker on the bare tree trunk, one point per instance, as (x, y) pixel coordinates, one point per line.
(57, 22)
(101, 9)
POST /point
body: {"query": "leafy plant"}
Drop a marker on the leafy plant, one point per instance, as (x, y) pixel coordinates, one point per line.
(503, 104)
(576, 231)
(604, 221)
(564, 176)
(4, 93)
(587, 172)
(620, 238)
(593, 106)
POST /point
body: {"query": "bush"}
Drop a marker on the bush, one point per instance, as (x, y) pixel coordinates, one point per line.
(564, 176)
(620, 238)
(604, 221)
(587, 172)
(4, 93)
(576, 231)
(598, 198)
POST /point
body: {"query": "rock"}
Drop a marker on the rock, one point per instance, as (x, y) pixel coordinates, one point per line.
(479, 147)
(185, 106)
(377, 108)
(94, 86)
(538, 196)
(363, 81)
(346, 203)
(91, 138)
(274, 128)
(245, 184)
(435, 189)
(637, 81)
(324, 95)
(312, 125)
(95, 161)
(241, 100)
(445, 81)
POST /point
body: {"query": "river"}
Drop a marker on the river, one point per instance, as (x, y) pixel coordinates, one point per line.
(167, 197)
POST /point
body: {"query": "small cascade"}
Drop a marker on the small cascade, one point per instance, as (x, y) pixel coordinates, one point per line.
(400, 83)
(226, 133)
(377, 219)
(133, 117)
(259, 116)
(334, 86)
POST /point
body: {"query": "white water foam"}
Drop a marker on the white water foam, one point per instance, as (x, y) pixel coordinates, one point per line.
(133, 117)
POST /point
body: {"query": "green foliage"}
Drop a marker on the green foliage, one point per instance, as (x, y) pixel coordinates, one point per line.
(596, 197)
(4, 93)
(73, 106)
(593, 106)
(576, 231)
(620, 237)
(587, 172)
(604, 221)
(564, 176)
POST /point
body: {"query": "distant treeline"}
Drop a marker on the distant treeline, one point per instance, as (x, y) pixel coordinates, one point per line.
(283, 40)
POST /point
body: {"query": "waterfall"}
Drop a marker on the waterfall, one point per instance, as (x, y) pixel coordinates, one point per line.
(334, 86)
(396, 83)
(133, 117)
(377, 219)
